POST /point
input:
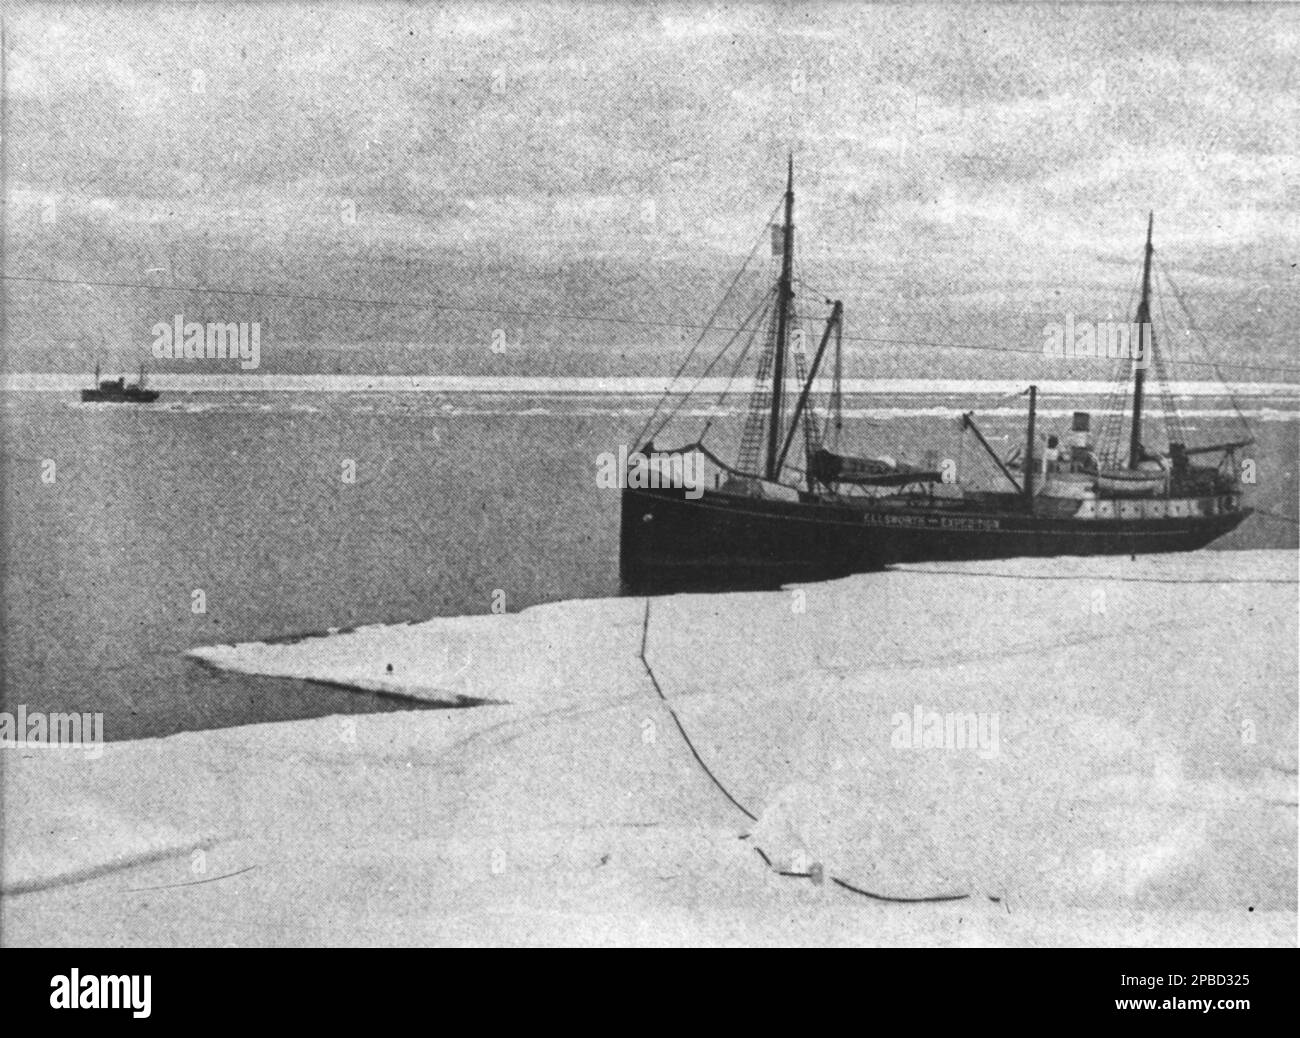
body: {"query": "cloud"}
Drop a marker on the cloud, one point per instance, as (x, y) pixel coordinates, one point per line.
(998, 138)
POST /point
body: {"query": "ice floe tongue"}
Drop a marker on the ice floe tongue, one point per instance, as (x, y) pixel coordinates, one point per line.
(542, 654)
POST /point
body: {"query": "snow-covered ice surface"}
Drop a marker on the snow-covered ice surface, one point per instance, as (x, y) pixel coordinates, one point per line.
(1141, 788)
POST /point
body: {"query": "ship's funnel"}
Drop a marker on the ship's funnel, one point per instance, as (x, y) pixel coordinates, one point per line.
(1081, 430)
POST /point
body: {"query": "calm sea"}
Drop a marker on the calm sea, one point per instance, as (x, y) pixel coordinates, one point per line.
(239, 502)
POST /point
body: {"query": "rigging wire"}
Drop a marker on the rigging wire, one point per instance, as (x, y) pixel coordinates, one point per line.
(704, 331)
(1277, 515)
(1200, 337)
(751, 436)
(762, 304)
(1175, 431)
(735, 368)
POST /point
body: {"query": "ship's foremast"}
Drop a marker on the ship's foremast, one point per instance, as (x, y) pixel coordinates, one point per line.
(784, 293)
(1146, 341)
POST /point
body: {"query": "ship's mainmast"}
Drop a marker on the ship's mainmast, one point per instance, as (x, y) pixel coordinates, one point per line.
(784, 293)
(1146, 343)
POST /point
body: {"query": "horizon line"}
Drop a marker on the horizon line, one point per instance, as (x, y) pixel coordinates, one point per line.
(48, 382)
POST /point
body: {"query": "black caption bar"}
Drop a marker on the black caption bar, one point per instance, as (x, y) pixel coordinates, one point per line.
(145, 988)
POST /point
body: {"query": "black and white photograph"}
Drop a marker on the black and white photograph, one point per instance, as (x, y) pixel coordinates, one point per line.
(673, 475)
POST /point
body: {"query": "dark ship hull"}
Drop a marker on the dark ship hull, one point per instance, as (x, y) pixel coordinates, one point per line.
(670, 542)
(130, 395)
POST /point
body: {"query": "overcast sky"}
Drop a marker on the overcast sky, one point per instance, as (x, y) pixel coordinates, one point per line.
(986, 141)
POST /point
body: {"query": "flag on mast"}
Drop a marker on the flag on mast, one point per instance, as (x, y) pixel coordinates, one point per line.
(778, 239)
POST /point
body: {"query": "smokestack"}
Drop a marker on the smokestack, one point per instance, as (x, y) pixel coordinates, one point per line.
(1081, 430)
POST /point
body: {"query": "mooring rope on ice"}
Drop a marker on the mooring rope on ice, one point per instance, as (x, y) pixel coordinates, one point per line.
(645, 632)
(843, 884)
(932, 899)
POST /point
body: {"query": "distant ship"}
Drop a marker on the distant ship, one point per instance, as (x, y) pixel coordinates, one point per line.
(117, 391)
(764, 522)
